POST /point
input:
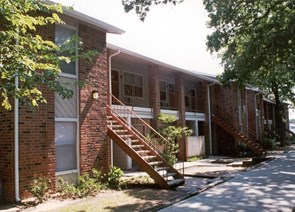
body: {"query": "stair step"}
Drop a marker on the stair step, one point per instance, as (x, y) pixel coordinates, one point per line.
(143, 151)
(126, 136)
(149, 157)
(175, 182)
(120, 131)
(137, 146)
(161, 168)
(155, 163)
(134, 141)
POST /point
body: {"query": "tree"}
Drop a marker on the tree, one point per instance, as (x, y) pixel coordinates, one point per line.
(27, 56)
(142, 7)
(171, 133)
(255, 40)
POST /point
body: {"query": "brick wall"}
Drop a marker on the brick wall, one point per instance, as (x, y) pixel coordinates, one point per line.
(226, 102)
(36, 126)
(179, 87)
(94, 145)
(154, 93)
(7, 154)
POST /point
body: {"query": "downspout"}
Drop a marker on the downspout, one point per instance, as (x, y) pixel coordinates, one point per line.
(110, 93)
(16, 135)
(246, 111)
(256, 119)
(209, 116)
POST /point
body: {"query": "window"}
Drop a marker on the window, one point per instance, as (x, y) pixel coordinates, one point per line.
(133, 85)
(163, 91)
(190, 98)
(65, 143)
(62, 35)
(66, 110)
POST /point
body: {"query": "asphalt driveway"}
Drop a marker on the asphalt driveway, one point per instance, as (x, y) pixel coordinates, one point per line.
(270, 187)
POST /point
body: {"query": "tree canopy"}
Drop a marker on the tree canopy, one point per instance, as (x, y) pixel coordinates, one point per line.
(256, 42)
(27, 55)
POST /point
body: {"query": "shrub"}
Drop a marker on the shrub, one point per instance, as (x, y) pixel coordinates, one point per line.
(269, 143)
(114, 176)
(171, 134)
(40, 187)
(87, 185)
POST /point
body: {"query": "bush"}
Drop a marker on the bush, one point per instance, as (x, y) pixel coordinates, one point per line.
(40, 187)
(114, 177)
(87, 185)
(269, 143)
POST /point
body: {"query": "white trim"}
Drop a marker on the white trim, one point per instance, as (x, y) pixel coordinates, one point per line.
(72, 76)
(61, 119)
(105, 27)
(204, 76)
(77, 119)
(73, 171)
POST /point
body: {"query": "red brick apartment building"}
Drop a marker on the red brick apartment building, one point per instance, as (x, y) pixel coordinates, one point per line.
(67, 137)
(62, 138)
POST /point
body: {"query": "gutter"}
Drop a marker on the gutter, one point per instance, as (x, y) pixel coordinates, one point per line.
(209, 116)
(110, 93)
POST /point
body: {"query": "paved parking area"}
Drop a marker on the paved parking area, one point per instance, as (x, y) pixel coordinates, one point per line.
(270, 187)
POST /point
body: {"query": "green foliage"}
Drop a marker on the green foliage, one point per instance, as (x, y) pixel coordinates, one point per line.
(40, 187)
(171, 133)
(114, 176)
(196, 158)
(255, 40)
(87, 185)
(142, 7)
(269, 143)
(34, 59)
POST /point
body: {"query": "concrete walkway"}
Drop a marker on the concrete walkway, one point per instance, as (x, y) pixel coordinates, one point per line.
(270, 187)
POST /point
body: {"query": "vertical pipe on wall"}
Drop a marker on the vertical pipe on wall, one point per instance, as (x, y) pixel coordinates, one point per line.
(16, 132)
(209, 116)
(256, 114)
(16, 143)
(110, 95)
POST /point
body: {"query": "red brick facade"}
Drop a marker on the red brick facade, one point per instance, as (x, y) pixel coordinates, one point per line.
(94, 145)
(37, 126)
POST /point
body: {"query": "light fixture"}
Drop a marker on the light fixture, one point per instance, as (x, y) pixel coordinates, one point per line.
(94, 95)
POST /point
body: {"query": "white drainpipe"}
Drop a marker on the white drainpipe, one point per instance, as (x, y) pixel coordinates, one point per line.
(110, 93)
(209, 116)
(16, 134)
(16, 144)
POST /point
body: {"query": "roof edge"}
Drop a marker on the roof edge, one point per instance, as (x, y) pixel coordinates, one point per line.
(108, 28)
(200, 75)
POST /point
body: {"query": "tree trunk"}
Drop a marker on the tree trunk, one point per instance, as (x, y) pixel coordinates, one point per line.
(279, 119)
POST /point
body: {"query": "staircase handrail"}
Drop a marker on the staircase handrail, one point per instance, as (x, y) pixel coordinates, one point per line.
(143, 122)
(252, 133)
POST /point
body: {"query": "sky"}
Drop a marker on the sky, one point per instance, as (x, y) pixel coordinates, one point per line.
(172, 34)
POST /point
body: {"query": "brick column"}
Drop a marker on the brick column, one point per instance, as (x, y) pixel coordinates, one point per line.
(180, 104)
(95, 151)
(154, 94)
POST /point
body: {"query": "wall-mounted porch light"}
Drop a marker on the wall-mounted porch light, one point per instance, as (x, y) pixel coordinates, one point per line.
(94, 95)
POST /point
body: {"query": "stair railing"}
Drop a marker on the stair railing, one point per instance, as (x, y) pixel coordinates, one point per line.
(121, 111)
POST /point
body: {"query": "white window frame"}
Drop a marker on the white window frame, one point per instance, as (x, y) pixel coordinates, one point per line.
(143, 85)
(76, 120)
